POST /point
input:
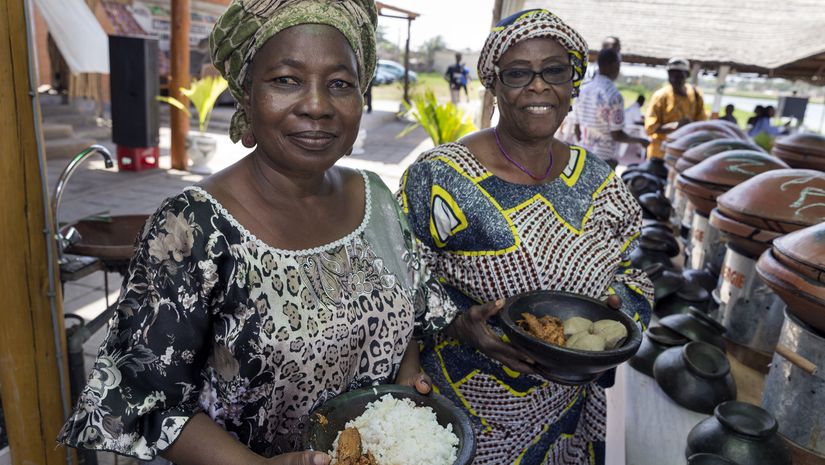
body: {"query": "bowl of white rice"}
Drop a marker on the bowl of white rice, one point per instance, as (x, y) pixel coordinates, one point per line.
(397, 425)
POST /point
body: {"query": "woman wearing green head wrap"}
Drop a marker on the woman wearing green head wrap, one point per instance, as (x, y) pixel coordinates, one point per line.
(275, 284)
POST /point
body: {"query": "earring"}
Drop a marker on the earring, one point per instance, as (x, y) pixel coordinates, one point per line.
(248, 140)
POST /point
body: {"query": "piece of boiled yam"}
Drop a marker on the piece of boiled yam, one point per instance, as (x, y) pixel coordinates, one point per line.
(612, 331)
(576, 325)
(586, 341)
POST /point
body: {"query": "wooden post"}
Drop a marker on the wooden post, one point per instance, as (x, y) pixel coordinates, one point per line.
(720, 91)
(407, 63)
(181, 20)
(29, 380)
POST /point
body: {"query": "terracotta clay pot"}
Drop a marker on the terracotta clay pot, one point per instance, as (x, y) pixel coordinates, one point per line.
(704, 182)
(675, 149)
(803, 251)
(805, 297)
(741, 432)
(717, 125)
(702, 152)
(748, 240)
(782, 201)
(802, 150)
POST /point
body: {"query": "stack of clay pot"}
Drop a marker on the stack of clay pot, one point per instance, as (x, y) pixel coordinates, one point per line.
(794, 390)
(702, 183)
(805, 151)
(750, 216)
(682, 140)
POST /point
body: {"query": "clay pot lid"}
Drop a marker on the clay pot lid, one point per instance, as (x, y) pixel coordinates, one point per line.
(680, 145)
(805, 297)
(701, 195)
(804, 251)
(707, 149)
(727, 169)
(803, 143)
(782, 200)
(744, 238)
(717, 125)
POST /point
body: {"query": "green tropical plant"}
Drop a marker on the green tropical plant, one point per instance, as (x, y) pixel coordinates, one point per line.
(203, 93)
(764, 140)
(442, 122)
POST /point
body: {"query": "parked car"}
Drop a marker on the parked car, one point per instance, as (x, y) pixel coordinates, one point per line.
(396, 69)
(382, 77)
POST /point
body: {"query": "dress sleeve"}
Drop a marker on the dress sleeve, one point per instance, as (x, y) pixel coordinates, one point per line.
(434, 307)
(145, 382)
(630, 284)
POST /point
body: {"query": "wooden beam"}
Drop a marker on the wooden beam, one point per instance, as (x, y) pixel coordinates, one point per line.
(29, 382)
(181, 20)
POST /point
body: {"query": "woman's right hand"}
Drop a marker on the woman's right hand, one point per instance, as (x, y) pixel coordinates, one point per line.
(471, 328)
(306, 457)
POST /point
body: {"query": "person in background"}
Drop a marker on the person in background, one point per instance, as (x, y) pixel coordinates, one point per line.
(465, 79)
(600, 112)
(671, 107)
(276, 284)
(633, 114)
(762, 123)
(454, 76)
(634, 125)
(758, 112)
(728, 116)
(608, 43)
(512, 209)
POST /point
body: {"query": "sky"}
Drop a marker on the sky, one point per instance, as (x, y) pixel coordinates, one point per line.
(464, 24)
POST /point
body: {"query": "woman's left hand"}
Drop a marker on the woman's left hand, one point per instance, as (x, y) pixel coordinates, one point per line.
(417, 379)
(614, 302)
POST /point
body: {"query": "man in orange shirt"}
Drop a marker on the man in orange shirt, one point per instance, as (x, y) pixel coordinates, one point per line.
(672, 106)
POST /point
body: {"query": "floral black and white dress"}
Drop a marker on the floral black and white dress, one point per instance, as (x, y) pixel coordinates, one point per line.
(212, 319)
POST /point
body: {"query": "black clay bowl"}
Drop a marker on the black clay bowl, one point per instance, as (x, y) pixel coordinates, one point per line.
(341, 409)
(657, 339)
(561, 364)
(709, 459)
(696, 326)
(696, 376)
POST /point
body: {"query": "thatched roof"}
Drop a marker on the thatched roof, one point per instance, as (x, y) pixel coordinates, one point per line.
(781, 38)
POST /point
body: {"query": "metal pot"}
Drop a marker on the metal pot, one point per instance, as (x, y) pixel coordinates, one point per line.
(706, 245)
(750, 311)
(794, 390)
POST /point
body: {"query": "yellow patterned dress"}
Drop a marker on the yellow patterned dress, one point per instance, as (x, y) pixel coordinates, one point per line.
(486, 239)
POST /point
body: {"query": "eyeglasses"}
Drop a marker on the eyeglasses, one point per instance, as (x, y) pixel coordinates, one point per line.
(523, 77)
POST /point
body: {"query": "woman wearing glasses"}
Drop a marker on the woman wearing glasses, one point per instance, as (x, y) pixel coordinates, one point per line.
(512, 209)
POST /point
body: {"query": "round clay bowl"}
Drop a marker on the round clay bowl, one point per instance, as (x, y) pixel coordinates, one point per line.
(724, 127)
(642, 182)
(696, 326)
(696, 376)
(783, 200)
(805, 297)
(702, 152)
(562, 364)
(319, 435)
(803, 251)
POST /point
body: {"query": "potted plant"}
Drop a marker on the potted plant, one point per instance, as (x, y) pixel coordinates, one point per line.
(202, 93)
(442, 122)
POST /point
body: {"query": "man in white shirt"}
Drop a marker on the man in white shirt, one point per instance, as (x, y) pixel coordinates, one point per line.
(599, 112)
(609, 42)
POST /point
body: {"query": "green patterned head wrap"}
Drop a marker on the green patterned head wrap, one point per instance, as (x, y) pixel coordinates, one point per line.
(247, 24)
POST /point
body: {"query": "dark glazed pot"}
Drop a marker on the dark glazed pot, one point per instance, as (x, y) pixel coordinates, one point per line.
(657, 339)
(665, 281)
(644, 257)
(705, 278)
(689, 295)
(655, 206)
(709, 459)
(696, 376)
(741, 432)
(696, 325)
